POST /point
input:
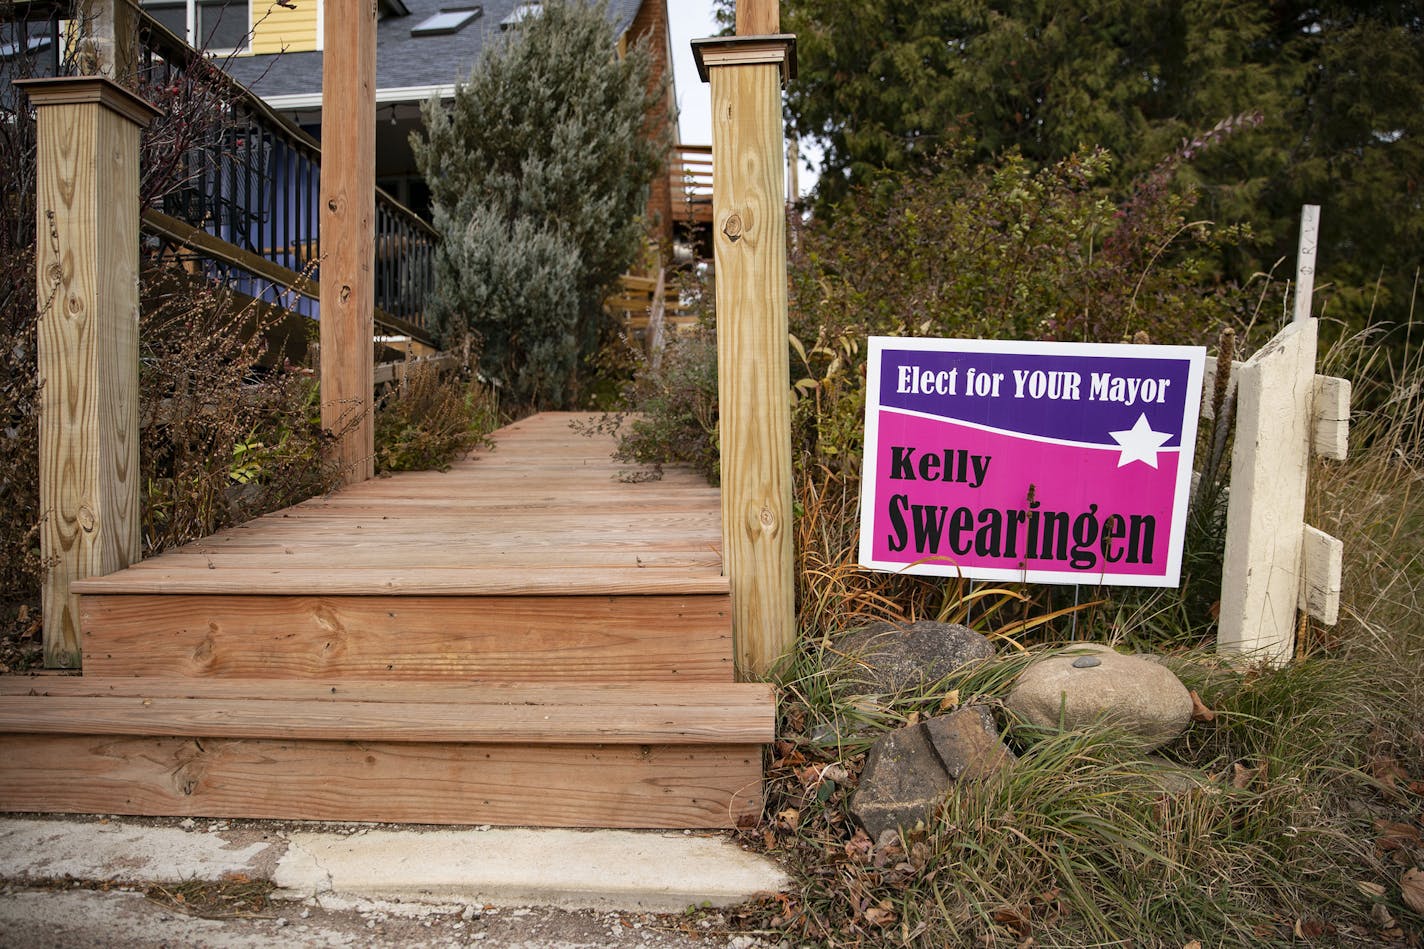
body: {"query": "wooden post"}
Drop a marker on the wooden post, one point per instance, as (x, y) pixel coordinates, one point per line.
(1275, 563)
(1305, 260)
(758, 17)
(749, 243)
(348, 236)
(110, 37)
(86, 264)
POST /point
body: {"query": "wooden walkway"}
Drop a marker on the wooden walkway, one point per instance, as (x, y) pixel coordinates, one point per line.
(527, 638)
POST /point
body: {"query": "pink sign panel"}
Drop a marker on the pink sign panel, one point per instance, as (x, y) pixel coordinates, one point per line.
(1041, 462)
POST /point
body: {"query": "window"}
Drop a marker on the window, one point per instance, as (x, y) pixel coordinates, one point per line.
(217, 26)
(446, 21)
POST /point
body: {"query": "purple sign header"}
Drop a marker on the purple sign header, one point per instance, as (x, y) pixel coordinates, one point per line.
(1048, 462)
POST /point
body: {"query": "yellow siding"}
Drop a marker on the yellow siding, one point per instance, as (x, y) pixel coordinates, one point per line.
(282, 28)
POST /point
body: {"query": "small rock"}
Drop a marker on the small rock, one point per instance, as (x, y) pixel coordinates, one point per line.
(967, 743)
(1172, 779)
(281, 921)
(911, 770)
(1144, 699)
(469, 913)
(187, 823)
(891, 658)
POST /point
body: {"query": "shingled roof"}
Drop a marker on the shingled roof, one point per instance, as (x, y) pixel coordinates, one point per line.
(407, 62)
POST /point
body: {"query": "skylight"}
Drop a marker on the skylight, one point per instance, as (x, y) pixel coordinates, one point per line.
(522, 12)
(446, 21)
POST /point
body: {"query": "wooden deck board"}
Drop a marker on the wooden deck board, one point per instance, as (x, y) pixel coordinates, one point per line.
(370, 780)
(544, 512)
(485, 639)
(720, 713)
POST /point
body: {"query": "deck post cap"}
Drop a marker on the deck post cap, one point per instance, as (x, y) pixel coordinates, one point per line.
(777, 48)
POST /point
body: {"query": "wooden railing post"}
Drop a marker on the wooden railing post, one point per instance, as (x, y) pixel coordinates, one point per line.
(749, 244)
(86, 262)
(1274, 563)
(348, 235)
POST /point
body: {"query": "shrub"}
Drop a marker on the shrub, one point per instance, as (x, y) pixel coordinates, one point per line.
(429, 419)
(539, 175)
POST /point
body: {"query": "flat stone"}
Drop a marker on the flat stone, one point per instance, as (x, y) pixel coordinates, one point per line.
(968, 744)
(892, 658)
(1144, 699)
(910, 771)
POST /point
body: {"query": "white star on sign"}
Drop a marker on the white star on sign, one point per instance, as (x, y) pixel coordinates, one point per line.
(1139, 443)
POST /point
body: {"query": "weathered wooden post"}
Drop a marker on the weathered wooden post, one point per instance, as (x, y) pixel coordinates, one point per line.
(749, 230)
(86, 262)
(1275, 563)
(348, 234)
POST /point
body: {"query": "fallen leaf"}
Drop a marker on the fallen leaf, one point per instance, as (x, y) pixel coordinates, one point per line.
(882, 915)
(1242, 777)
(1387, 770)
(950, 700)
(1411, 887)
(1373, 890)
(1312, 928)
(858, 847)
(1200, 713)
(789, 818)
(1194, 944)
(1014, 918)
(1396, 836)
(1382, 917)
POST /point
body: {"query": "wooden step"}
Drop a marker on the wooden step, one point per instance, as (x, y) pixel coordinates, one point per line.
(645, 755)
(488, 639)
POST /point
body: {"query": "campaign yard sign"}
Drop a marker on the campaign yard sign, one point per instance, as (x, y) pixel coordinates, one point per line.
(1043, 462)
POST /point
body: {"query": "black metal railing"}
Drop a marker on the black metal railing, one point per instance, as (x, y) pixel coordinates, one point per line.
(251, 178)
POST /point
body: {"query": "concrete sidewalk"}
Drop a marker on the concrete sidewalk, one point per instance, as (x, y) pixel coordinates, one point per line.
(417, 886)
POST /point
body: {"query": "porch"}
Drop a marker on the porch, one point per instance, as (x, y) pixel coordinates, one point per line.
(529, 638)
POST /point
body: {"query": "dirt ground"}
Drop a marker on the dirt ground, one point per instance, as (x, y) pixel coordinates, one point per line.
(60, 917)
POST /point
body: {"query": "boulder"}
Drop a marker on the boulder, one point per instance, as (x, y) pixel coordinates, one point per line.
(891, 658)
(1086, 685)
(910, 771)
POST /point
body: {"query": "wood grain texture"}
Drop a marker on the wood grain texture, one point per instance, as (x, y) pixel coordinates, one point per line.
(1331, 436)
(753, 374)
(1261, 573)
(1322, 575)
(758, 17)
(722, 713)
(348, 235)
(640, 785)
(87, 282)
(542, 514)
(490, 639)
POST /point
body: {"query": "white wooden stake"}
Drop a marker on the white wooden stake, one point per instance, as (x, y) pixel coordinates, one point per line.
(1305, 260)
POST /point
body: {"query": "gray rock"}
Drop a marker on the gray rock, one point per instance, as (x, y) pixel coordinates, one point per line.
(1172, 779)
(892, 658)
(910, 771)
(1144, 699)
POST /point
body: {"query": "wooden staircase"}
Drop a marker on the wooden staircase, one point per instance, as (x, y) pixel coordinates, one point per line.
(526, 639)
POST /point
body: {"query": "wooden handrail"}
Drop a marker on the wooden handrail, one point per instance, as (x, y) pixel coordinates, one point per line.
(215, 248)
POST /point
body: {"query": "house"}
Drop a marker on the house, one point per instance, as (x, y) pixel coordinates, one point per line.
(423, 48)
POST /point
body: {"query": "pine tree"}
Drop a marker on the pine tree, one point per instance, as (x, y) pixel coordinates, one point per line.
(1320, 101)
(539, 174)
